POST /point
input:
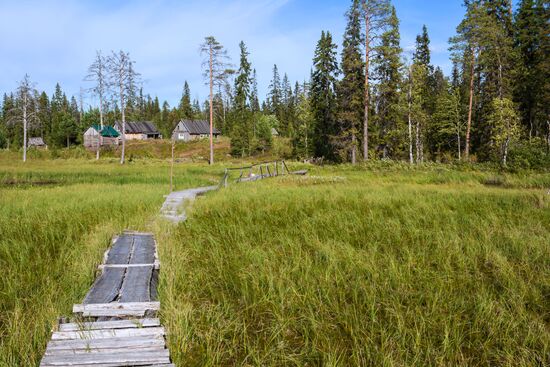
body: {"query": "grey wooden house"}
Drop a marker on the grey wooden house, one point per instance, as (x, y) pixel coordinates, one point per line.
(187, 130)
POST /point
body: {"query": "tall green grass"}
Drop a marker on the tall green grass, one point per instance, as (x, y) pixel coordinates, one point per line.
(351, 266)
(53, 237)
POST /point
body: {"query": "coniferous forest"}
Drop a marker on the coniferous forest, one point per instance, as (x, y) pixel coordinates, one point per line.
(365, 98)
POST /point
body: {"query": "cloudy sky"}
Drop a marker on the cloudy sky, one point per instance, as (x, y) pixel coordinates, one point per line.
(55, 41)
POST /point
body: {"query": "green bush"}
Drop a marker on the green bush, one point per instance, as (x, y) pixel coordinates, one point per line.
(532, 154)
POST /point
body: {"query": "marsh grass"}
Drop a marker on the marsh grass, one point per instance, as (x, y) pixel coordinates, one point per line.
(381, 264)
(382, 268)
(53, 237)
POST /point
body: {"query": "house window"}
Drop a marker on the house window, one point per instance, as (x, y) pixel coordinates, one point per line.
(181, 136)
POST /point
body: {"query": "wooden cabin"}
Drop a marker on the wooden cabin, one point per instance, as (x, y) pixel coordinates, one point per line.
(187, 130)
(37, 142)
(139, 130)
(95, 135)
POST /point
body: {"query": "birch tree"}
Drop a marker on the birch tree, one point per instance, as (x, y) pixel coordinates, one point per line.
(122, 77)
(24, 111)
(97, 73)
(504, 121)
(375, 16)
(216, 70)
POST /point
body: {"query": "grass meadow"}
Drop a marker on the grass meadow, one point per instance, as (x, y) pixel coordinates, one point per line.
(381, 264)
(363, 267)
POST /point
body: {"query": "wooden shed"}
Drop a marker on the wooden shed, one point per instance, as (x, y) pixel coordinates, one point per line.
(37, 142)
(95, 135)
(139, 130)
(187, 130)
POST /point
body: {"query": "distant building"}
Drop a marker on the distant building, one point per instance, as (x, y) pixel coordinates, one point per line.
(139, 130)
(109, 136)
(37, 142)
(274, 132)
(187, 130)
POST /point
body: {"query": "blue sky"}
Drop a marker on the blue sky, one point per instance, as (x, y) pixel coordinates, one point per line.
(55, 41)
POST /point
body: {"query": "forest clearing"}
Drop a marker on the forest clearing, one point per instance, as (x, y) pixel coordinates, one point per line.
(380, 263)
(325, 183)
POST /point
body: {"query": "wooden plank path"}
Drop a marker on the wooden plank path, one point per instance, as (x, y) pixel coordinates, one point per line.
(172, 207)
(116, 324)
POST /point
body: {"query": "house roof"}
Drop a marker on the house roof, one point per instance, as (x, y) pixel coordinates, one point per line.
(107, 131)
(139, 127)
(36, 141)
(196, 127)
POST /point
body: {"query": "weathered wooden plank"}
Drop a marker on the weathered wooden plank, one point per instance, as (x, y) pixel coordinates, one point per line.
(108, 333)
(155, 264)
(117, 324)
(105, 315)
(129, 306)
(144, 250)
(120, 251)
(124, 342)
(106, 287)
(112, 359)
(154, 283)
(114, 349)
(136, 284)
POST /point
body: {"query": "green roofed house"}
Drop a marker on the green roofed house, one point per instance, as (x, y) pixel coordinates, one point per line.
(107, 136)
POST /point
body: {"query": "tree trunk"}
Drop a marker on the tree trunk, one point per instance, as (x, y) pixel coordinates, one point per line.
(99, 137)
(367, 96)
(211, 111)
(459, 147)
(123, 122)
(25, 127)
(172, 166)
(417, 143)
(353, 149)
(505, 151)
(411, 158)
(470, 107)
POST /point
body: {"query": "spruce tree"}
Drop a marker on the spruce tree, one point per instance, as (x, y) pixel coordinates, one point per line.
(388, 73)
(274, 94)
(323, 97)
(185, 108)
(241, 130)
(351, 87)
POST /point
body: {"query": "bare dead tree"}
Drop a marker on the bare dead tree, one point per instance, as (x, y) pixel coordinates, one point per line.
(375, 14)
(98, 73)
(25, 110)
(409, 101)
(122, 77)
(216, 69)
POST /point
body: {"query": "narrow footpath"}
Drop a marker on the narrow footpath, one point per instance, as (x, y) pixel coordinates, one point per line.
(116, 323)
(172, 209)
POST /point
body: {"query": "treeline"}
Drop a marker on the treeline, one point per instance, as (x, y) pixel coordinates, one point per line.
(61, 121)
(365, 99)
(370, 100)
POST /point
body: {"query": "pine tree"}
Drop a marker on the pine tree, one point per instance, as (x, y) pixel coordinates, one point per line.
(388, 73)
(375, 15)
(351, 87)
(323, 98)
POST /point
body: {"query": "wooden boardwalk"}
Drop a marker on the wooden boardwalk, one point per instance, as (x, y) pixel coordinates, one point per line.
(116, 324)
(172, 207)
